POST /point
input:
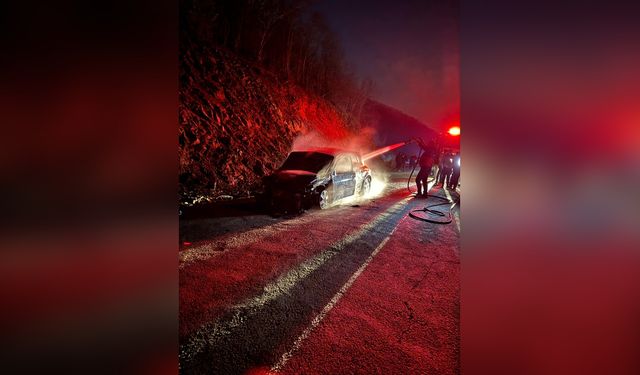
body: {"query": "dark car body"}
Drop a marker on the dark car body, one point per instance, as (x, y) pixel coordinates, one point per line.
(316, 177)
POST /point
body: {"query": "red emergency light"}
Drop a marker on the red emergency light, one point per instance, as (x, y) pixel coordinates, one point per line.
(454, 131)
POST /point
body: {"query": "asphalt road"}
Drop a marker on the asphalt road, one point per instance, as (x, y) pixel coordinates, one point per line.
(357, 288)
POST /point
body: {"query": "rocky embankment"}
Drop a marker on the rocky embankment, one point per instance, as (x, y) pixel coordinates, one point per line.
(237, 123)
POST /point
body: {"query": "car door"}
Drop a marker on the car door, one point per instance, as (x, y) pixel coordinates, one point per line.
(344, 177)
(359, 169)
(351, 181)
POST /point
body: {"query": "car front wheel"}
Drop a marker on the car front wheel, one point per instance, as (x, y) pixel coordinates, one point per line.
(366, 186)
(324, 200)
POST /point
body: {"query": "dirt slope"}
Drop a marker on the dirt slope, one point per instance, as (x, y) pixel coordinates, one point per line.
(237, 123)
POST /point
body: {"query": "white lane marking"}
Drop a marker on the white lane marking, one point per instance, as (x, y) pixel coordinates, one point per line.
(316, 321)
(209, 333)
(212, 248)
(455, 217)
(285, 283)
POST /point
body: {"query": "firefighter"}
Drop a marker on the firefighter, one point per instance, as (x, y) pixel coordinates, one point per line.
(426, 163)
(445, 171)
(440, 168)
(413, 160)
(455, 175)
(400, 161)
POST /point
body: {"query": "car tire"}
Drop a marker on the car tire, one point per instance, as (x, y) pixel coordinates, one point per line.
(298, 206)
(366, 186)
(324, 199)
(272, 207)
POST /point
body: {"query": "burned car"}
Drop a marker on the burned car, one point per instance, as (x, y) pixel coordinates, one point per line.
(316, 177)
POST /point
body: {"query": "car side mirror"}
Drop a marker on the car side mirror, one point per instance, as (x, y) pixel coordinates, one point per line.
(333, 173)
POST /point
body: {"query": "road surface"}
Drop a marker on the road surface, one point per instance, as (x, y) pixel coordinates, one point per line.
(357, 288)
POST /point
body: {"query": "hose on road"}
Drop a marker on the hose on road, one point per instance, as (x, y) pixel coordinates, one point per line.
(428, 210)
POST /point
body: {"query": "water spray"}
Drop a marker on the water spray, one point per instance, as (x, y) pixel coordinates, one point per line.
(423, 213)
(382, 150)
(392, 147)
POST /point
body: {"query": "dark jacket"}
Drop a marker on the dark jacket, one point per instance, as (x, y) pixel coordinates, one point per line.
(429, 155)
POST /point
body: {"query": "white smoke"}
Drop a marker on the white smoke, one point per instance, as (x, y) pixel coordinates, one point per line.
(362, 143)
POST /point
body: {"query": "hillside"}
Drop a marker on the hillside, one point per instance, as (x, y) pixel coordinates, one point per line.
(392, 126)
(237, 122)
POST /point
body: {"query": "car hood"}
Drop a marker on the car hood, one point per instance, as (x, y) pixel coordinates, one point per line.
(292, 179)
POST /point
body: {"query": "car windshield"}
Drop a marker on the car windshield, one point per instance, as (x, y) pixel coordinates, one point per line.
(306, 161)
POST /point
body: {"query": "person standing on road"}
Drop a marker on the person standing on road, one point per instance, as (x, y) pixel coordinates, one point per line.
(400, 161)
(413, 161)
(440, 171)
(445, 171)
(426, 163)
(455, 174)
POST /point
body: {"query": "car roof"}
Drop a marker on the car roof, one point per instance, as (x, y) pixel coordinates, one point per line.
(327, 150)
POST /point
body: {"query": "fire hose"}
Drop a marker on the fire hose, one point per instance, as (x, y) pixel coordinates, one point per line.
(429, 209)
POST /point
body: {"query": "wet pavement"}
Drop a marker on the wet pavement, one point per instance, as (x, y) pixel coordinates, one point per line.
(357, 288)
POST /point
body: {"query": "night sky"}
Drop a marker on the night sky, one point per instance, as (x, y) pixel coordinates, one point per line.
(408, 48)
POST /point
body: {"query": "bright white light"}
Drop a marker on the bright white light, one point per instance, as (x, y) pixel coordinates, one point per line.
(378, 185)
